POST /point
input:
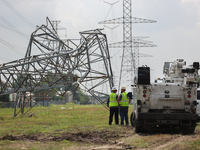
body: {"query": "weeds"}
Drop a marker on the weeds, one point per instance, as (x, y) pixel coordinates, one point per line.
(195, 145)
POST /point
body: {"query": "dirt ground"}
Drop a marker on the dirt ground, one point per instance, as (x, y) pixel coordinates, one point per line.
(104, 139)
(95, 137)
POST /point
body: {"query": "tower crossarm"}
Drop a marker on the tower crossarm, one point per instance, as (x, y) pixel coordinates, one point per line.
(145, 55)
(140, 37)
(143, 44)
(135, 44)
(133, 20)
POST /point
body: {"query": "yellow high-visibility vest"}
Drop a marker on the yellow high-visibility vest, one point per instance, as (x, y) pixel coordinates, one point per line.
(124, 101)
(113, 100)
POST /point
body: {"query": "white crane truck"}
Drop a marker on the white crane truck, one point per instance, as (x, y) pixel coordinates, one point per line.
(171, 103)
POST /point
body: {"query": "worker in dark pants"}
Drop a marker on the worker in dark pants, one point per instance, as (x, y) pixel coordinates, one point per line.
(123, 103)
(113, 104)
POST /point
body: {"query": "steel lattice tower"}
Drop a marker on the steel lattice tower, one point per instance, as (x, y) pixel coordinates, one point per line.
(57, 65)
(130, 59)
(127, 69)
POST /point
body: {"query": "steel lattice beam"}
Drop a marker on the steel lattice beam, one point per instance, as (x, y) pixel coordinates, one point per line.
(59, 65)
(132, 20)
(135, 43)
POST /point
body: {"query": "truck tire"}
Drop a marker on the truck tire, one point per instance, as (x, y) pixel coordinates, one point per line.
(188, 129)
(138, 129)
(132, 119)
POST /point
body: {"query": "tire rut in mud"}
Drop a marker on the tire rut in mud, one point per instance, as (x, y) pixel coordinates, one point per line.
(95, 137)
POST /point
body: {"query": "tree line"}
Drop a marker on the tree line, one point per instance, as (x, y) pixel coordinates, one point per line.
(78, 94)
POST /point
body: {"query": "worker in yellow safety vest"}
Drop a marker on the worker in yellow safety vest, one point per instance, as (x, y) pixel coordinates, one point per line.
(113, 105)
(123, 103)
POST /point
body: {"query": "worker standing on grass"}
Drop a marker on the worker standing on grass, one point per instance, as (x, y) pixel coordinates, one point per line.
(123, 103)
(113, 104)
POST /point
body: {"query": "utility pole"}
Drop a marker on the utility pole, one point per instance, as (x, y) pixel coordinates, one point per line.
(128, 64)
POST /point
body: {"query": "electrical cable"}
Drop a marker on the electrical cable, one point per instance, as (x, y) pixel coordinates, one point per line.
(4, 26)
(4, 59)
(18, 14)
(11, 47)
(16, 46)
(13, 28)
(39, 12)
(111, 8)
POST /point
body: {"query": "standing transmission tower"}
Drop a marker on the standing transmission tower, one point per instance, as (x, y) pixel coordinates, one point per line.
(128, 62)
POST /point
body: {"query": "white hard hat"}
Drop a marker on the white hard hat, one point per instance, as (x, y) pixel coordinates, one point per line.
(113, 89)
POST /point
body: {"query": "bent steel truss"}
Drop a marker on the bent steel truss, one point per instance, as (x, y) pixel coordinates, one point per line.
(59, 65)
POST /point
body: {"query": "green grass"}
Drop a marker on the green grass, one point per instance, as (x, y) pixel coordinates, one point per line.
(53, 118)
(137, 142)
(194, 145)
(83, 118)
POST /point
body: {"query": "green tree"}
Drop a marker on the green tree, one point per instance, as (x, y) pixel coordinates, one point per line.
(40, 95)
(5, 98)
(84, 99)
(76, 91)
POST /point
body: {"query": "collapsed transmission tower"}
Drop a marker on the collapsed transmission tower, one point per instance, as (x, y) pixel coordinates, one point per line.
(130, 59)
(58, 65)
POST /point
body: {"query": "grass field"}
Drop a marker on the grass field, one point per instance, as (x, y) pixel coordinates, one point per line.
(84, 127)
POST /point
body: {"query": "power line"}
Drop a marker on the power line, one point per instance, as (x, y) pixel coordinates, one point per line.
(4, 26)
(10, 47)
(4, 59)
(10, 29)
(111, 6)
(19, 15)
(13, 28)
(39, 12)
(16, 46)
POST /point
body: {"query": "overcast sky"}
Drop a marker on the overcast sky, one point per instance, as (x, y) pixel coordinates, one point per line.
(176, 33)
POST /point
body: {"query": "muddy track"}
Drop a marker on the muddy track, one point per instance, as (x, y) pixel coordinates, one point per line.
(170, 142)
(111, 139)
(95, 137)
